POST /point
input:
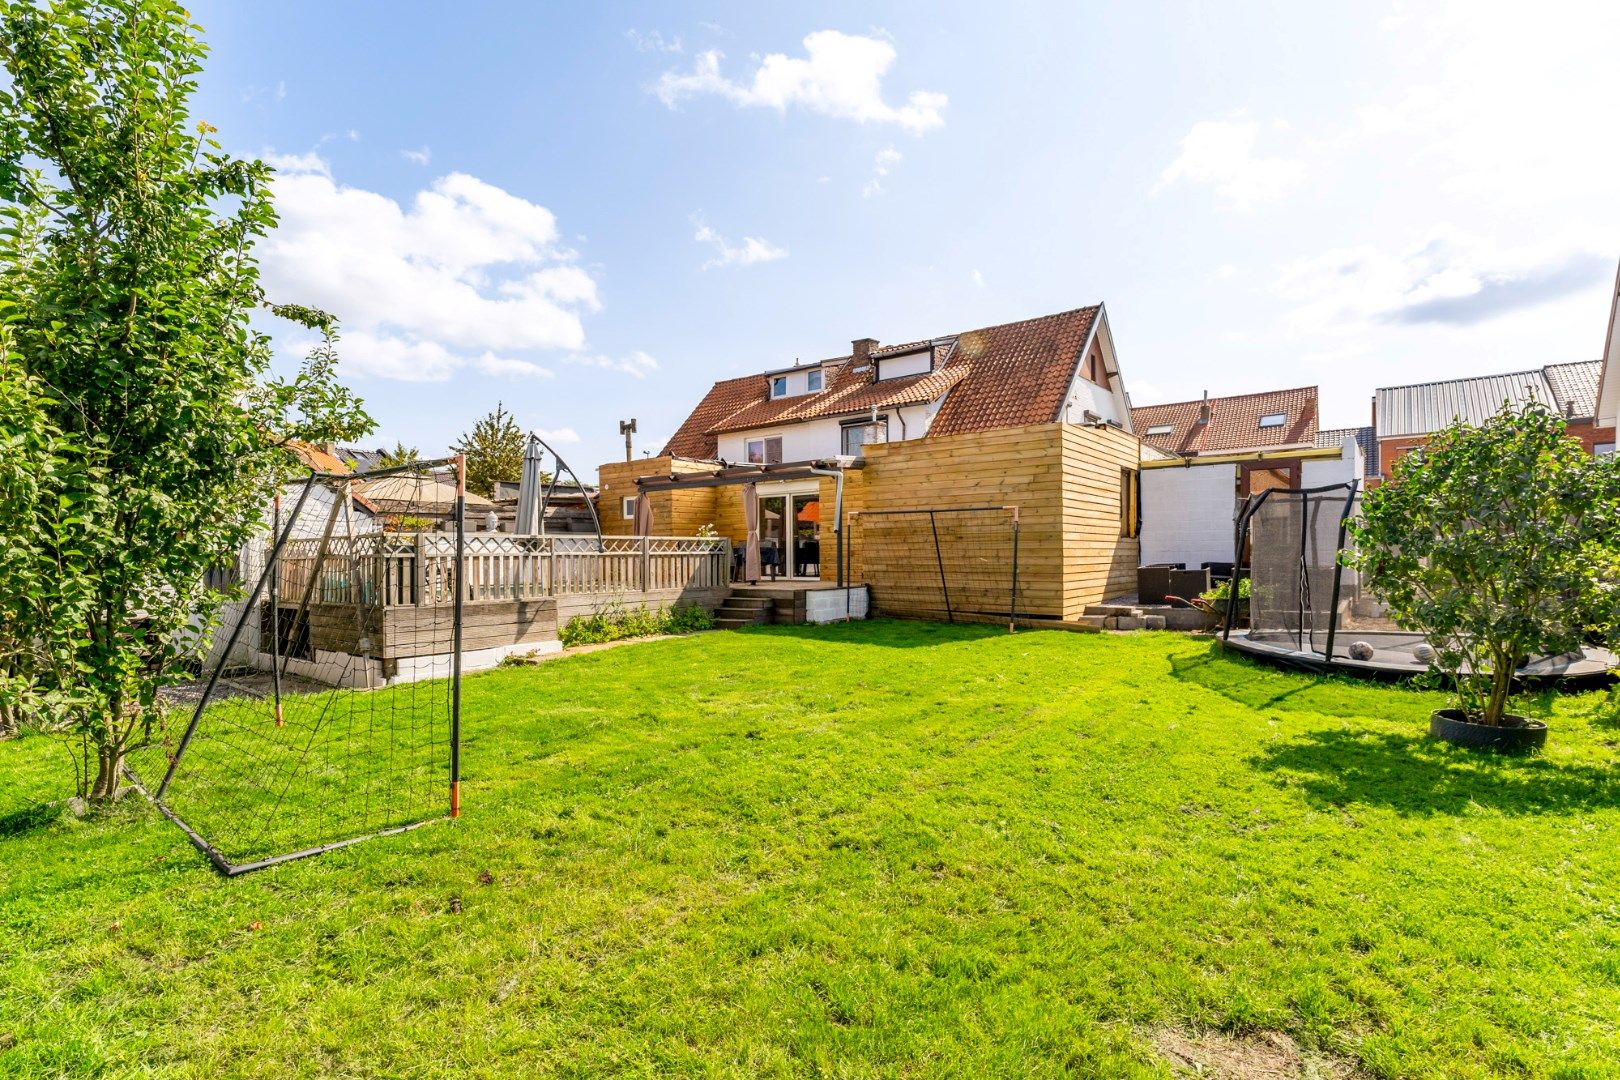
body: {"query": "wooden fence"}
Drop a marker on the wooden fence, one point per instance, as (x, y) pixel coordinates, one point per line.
(418, 569)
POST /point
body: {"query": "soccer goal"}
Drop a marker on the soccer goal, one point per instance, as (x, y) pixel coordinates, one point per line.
(331, 708)
(959, 564)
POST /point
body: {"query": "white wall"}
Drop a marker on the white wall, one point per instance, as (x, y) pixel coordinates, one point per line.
(896, 367)
(1348, 466)
(1085, 395)
(815, 439)
(1188, 514)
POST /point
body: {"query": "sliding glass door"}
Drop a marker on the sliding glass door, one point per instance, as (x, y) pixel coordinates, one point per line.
(790, 535)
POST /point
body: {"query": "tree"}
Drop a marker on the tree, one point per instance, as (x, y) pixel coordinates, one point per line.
(1497, 542)
(494, 450)
(140, 423)
(399, 455)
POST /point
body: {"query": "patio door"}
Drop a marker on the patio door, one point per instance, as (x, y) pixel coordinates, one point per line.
(790, 535)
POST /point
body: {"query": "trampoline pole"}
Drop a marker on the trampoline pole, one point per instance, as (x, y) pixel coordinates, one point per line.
(1338, 566)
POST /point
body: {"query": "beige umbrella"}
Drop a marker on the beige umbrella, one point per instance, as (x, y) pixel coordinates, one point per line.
(404, 493)
(644, 520)
(751, 520)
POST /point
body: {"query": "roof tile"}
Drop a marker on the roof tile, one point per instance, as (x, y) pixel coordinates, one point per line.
(997, 376)
(1234, 422)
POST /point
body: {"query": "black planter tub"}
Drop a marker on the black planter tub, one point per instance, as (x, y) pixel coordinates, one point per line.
(1514, 732)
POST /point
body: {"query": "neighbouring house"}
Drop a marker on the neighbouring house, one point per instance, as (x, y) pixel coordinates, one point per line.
(1406, 416)
(1030, 413)
(358, 458)
(568, 507)
(1202, 458)
(1608, 402)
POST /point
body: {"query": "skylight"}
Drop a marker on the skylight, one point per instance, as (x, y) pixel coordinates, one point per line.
(1274, 419)
(1161, 429)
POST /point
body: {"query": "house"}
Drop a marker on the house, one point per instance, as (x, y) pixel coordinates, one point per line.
(1202, 458)
(1030, 413)
(1406, 416)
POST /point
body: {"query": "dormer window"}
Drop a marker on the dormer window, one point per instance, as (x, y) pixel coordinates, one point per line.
(779, 386)
(1273, 419)
(813, 380)
(1160, 429)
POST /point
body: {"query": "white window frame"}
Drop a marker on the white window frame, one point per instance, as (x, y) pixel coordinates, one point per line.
(764, 444)
(628, 508)
(813, 380)
(1273, 419)
(880, 428)
(1160, 429)
(779, 386)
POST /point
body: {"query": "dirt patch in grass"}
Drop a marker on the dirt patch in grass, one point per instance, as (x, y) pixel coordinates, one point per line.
(1266, 1055)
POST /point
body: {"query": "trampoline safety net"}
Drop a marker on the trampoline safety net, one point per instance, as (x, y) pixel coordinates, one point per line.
(1294, 540)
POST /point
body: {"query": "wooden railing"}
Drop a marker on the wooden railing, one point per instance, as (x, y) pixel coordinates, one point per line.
(417, 569)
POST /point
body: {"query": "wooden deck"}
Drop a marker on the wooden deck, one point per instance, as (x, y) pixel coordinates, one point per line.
(391, 597)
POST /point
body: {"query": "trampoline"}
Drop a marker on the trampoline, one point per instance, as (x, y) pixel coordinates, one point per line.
(1309, 611)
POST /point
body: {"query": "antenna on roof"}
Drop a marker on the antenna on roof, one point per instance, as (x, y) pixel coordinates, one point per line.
(627, 428)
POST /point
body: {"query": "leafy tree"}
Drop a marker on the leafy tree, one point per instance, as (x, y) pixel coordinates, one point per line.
(494, 450)
(399, 455)
(139, 422)
(1497, 542)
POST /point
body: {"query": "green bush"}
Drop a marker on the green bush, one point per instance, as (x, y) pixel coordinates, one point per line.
(1496, 542)
(616, 623)
(1220, 593)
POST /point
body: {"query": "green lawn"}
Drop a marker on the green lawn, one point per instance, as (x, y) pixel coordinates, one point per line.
(873, 849)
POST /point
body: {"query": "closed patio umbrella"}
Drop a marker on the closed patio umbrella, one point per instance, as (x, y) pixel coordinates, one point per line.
(644, 522)
(751, 520)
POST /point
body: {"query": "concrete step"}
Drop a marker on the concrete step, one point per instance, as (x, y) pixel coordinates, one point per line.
(1106, 610)
(1098, 621)
(722, 622)
(730, 611)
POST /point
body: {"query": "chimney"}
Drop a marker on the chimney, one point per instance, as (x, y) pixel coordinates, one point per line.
(1203, 410)
(861, 350)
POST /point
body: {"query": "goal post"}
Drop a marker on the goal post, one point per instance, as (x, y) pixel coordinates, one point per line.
(956, 563)
(331, 713)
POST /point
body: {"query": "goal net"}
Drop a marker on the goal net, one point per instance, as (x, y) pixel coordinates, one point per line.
(955, 564)
(329, 711)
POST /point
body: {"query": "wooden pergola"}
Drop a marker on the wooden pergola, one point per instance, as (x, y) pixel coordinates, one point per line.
(730, 475)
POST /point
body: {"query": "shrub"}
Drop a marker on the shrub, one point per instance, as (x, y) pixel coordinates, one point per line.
(1223, 591)
(616, 623)
(1497, 542)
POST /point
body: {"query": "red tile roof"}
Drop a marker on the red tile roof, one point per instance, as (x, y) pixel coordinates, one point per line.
(1234, 422)
(1018, 373)
(999, 376)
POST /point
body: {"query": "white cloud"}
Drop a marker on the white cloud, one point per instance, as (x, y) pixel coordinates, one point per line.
(1451, 277)
(653, 41)
(753, 249)
(466, 275)
(259, 95)
(559, 437)
(637, 364)
(1219, 154)
(841, 75)
(886, 160)
(418, 157)
(490, 364)
(978, 279)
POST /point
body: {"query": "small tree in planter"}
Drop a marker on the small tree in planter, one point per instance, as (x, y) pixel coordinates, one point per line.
(1495, 542)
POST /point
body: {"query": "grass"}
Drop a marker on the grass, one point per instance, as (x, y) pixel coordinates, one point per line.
(873, 849)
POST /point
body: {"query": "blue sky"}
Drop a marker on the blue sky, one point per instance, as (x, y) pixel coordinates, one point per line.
(590, 212)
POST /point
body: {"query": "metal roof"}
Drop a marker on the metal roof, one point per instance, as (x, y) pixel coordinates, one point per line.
(1428, 407)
